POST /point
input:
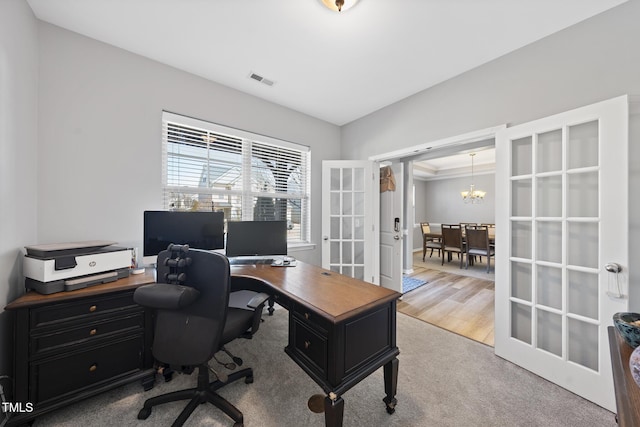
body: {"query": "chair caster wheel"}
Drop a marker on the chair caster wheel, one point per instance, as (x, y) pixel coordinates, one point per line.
(249, 379)
(144, 413)
(238, 425)
(390, 410)
(238, 361)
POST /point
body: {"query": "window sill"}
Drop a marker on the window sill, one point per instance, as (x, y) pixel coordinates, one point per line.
(294, 247)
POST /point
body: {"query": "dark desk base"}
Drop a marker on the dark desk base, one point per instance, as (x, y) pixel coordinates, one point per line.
(338, 355)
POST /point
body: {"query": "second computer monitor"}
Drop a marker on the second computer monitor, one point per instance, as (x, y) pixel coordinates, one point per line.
(250, 238)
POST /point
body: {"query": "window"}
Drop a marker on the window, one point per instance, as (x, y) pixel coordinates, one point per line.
(247, 176)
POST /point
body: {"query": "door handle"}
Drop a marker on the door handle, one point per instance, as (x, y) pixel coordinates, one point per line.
(396, 237)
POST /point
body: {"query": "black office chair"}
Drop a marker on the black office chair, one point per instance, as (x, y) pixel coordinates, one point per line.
(193, 322)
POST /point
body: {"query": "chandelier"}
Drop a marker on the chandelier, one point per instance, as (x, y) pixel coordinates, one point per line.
(473, 195)
(339, 5)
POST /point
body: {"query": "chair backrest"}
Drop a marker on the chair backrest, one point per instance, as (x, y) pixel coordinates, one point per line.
(452, 235)
(193, 334)
(425, 227)
(477, 237)
(464, 224)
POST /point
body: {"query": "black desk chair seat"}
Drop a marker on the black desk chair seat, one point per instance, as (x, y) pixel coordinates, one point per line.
(193, 322)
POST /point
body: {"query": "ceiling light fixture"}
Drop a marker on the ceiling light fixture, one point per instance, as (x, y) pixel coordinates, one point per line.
(339, 5)
(473, 195)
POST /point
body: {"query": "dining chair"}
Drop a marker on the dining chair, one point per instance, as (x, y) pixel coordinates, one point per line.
(452, 242)
(492, 234)
(477, 244)
(429, 242)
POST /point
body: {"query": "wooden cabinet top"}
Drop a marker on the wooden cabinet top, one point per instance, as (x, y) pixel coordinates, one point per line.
(32, 298)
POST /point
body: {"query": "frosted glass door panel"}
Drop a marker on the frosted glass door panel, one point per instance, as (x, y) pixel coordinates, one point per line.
(549, 332)
(521, 280)
(521, 197)
(521, 239)
(521, 154)
(550, 151)
(582, 195)
(521, 322)
(550, 287)
(582, 150)
(582, 244)
(583, 338)
(336, 183)
(549, 203)
(582, 293)
(549, 241)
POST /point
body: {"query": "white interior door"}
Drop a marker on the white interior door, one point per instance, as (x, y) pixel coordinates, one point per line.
(561, 216)
(391, 207)
(350, 218)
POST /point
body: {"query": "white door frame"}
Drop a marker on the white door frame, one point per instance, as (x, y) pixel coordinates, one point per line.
(404, 153)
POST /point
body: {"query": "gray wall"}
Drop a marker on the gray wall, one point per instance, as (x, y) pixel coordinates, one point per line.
(18, 162)
(439, 202)
(100, 136)
(589, 62)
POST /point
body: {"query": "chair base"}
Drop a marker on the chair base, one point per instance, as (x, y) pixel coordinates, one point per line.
(204, 392)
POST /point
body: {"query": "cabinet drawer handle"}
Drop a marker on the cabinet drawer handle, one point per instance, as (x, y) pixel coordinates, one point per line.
(93, 308)
(93, 368)
(307, 344)
(306, 316)
(93, 332)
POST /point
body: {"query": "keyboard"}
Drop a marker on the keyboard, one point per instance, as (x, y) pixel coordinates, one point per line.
(250, 261)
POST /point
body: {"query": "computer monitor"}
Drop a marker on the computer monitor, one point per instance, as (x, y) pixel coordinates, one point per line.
(250, 238)
(199, 230)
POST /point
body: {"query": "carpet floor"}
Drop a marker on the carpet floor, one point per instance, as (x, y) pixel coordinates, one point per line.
(444, 380)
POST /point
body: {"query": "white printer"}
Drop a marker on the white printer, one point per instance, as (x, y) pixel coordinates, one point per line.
(60, 267)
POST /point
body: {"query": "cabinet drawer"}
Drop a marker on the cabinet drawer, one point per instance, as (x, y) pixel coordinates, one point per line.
(55, 377)
(311, 345)
(87, 332)
(88, 307)
(311, 319)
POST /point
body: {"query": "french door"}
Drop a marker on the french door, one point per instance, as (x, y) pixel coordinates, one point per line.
(350, 216)
(561, 217)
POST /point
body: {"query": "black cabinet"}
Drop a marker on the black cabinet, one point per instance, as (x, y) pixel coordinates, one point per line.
(74, 345)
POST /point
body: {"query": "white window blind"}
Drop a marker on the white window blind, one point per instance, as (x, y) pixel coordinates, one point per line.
(247, 176)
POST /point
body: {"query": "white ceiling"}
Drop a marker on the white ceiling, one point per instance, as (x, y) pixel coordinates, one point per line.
(456, 165)
(333, 66)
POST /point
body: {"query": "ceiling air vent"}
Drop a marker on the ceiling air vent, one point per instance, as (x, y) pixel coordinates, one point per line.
(261, 79)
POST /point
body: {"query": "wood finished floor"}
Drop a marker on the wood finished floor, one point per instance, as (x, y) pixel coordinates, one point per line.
(464, 305)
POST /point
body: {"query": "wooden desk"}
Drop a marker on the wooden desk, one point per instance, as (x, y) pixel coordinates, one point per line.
(627, 391)
(340, 329)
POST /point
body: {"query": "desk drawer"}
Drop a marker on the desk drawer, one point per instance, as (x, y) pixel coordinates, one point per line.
(311, 319)
(86, 308)
(55, 377)
(310, 345)
(87, 332)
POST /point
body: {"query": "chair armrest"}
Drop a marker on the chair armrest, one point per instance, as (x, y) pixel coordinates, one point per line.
(165, 296)
(258, 300)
